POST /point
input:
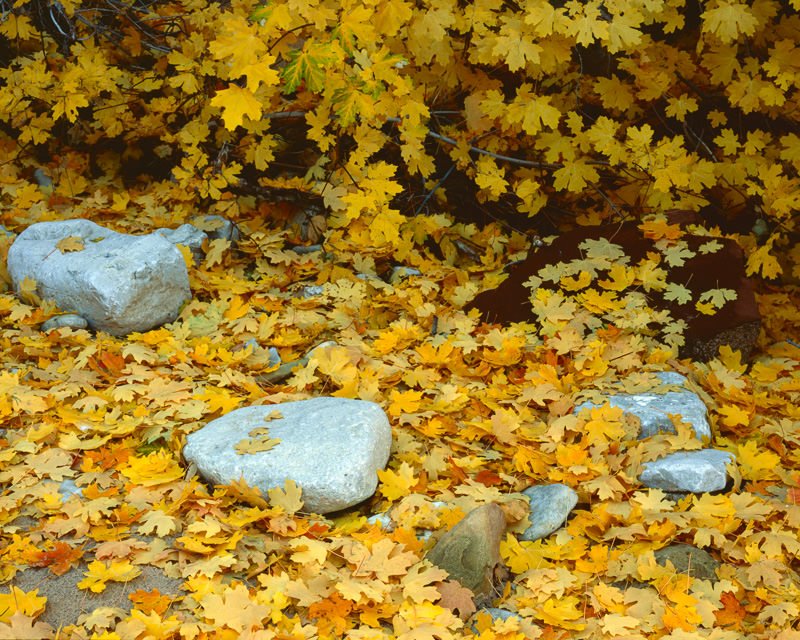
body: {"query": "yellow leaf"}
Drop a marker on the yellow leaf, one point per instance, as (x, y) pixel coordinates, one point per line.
(733, 415)
(18, 601)
(727, 20)
(236, 103)
(70, 244)
(756, 463)
(396, 484)
(404, 402)
(289, 498)
(152, 470)
(574, 176)
(259, 439)
(99, 573)
(17, 26)
(763, 262)
(562, 612)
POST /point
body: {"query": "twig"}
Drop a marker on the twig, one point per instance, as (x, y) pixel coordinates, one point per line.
(614, 207)
(430, 193)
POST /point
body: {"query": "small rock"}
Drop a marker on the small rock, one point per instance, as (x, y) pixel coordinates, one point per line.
(382, 520)
(68, 488)
(653, 409)
(306, 249)
(189, 236)
(689, 560)
(500, 614)
(526, 626)
(218, 228)
(118, 282)
(71, 320)
(312, 291)
(400, 273)
(550, 506)
(331, 448)
(470, 551)
(691, 471)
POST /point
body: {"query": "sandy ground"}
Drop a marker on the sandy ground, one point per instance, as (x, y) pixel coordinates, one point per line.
(66, 603)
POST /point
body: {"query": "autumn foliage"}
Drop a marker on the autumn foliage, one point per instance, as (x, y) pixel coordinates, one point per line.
(367, 126)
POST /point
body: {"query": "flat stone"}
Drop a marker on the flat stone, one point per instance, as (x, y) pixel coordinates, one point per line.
(550, 505)
(332, 448)
(736, 324)
(71, 320)
(689, 471)
(118, 282)
(653, 409)
(470, 551)
(689, 560)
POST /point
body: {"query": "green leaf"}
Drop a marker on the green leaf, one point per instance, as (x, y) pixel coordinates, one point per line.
(308, 65)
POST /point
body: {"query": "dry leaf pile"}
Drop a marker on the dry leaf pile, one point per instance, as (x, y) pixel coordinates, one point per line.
(479, 413)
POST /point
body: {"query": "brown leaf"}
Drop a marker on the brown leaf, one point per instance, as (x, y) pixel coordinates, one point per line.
(457, 598)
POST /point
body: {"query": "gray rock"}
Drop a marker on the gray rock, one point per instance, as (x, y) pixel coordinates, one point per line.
(550, 506)
(500, 614)
(470, 551)
(118, 282)
(312, 291)
(68, 488)
(71, 320)
(652, 409)
(306, 249)
(330, 447)
(218, 228)
(189, 236)
(383, 520)
(689, 560)
(691, 471)
(400, 273)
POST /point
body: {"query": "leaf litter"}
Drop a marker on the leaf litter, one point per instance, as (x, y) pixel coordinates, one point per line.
(479, 413)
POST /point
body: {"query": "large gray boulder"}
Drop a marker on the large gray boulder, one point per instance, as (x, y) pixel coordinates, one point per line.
(118, 282)
(688, 471)
(653, 409)
(332, 448)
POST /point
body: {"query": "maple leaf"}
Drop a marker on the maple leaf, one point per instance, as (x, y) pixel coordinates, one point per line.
(70, 244)
(99, 573)
(150, 601)
(24, 627)
(60, 558)
(396, 484)
(18, 601)
(420, 582)
(756, 464)
(289, 498)
(574, 176)
(384, 560)
(234, 608)
(727, 20)
(154, 469)
(457, 598)
(308, 65)
(258, 441)
(236, 103)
